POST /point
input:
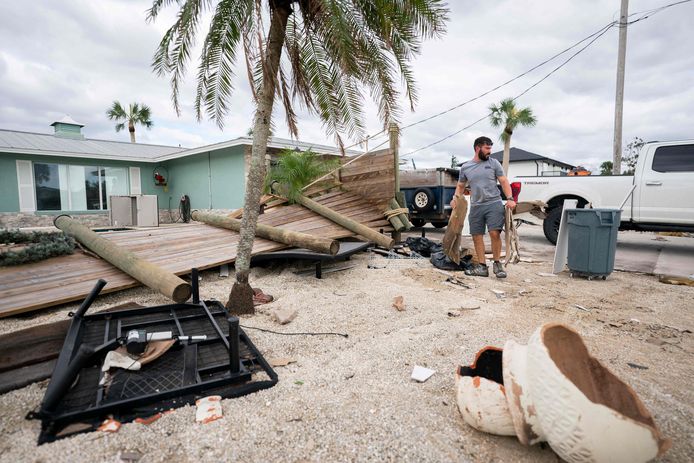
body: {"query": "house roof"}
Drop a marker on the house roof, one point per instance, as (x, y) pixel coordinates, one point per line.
(518, 154)
(12, 141)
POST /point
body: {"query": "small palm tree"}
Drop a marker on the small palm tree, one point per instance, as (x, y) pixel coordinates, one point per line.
(136, 114)
(295, 170)
(506, 115)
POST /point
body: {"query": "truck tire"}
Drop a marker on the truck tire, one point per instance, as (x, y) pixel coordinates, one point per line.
(423, 199)
(418, 222)
(439, 224)
(551, 224)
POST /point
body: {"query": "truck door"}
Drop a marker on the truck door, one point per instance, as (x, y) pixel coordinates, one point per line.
(666, 187)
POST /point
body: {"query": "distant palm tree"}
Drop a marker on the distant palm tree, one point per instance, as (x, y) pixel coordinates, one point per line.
(324, 55)
(506, 115)
(136, 114)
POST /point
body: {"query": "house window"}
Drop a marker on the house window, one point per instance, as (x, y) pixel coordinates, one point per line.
(77, 188)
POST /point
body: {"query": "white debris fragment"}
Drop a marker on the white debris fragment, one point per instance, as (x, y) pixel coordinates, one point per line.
(421, 374)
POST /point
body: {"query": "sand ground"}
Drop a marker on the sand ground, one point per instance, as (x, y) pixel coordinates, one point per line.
(352, 399)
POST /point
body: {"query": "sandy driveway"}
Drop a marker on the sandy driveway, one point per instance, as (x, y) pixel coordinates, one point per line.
(352, 399)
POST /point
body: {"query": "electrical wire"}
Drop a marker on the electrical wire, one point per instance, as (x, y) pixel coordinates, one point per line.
(595, 36)
(294, 334)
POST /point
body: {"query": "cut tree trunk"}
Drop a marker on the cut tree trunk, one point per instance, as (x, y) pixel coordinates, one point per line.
(131, 129)
(346, 222)
(241, 295)
(507, 153)
(145, 272)
(289, 237)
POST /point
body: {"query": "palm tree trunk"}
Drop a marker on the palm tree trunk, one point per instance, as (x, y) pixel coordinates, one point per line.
(507, 152)
(131, 129)
(241, 295)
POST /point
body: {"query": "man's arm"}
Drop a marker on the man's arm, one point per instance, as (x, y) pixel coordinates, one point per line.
(506, 187)
(459, 191)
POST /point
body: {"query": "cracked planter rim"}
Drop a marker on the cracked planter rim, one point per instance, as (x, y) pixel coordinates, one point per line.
(584, 410)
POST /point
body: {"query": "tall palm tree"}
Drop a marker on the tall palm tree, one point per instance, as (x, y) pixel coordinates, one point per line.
(333, 51)
(136, 114)
(506, 115)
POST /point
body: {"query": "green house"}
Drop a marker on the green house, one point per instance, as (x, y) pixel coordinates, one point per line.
(44, 175)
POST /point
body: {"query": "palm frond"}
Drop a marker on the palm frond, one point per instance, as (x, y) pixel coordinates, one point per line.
(295, 170)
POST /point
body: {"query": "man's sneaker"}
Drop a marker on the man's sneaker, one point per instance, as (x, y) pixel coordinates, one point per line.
(499, 270)
(479, 270)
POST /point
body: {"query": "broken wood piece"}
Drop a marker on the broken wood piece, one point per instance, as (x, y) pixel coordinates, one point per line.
(346, 222)
(451, 240)
(675, 280)
(280, 235)
(281, 361)
(143, 271)
(498, 293)
(399, 303)
(580, 307)
(545, 274)
(458, 281)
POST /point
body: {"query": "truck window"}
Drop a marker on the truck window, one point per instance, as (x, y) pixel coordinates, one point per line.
(674, 159)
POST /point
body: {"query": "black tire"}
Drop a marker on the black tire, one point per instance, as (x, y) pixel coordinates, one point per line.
(423, 199)
(551, 224)
(418, 222)
(439, 224)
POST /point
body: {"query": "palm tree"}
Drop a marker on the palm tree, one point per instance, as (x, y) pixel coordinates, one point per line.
(295, 170)
(136, 114)
(506, 115)
(333, 51)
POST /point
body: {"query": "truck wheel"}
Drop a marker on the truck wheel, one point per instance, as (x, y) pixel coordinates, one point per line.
(551, 224)
(423, 199)
(439, 224)
(418, 222)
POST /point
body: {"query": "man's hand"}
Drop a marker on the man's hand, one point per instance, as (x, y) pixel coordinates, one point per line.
(511, 204)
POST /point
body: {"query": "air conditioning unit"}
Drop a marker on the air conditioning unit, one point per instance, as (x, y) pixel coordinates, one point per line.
(134, 210)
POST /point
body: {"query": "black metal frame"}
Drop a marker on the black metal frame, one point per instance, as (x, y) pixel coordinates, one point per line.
(75, 396)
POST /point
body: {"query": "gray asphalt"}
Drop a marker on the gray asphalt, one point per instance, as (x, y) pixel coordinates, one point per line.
(636, 251)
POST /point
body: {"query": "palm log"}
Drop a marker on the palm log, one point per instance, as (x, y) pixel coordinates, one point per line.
(451, 240)
(403, 217)
(145, 272)
(280, 235)
(346, 222)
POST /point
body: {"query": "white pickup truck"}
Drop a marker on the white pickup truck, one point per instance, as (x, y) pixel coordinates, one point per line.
(662, 200)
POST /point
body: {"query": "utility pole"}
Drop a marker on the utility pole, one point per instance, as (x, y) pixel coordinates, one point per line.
(619, 97)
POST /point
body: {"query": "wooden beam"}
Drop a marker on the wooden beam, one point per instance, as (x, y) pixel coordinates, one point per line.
(289, 237)
(143, 271)
(346, 222)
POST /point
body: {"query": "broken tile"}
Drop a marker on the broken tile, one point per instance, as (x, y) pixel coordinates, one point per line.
(421, 374)
(109, 425)
(208, 409)
(284, 315)
(399, 303)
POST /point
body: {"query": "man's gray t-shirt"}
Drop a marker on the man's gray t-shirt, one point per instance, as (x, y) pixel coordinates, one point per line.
(481, 179)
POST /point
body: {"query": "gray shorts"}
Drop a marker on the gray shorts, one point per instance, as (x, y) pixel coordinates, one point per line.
(489, 216)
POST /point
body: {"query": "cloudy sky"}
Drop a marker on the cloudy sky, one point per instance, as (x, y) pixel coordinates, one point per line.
(76, 57)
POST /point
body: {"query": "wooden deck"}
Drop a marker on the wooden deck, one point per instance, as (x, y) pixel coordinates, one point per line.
(177, 248)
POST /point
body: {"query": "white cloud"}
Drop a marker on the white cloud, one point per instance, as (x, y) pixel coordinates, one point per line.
(77, 57)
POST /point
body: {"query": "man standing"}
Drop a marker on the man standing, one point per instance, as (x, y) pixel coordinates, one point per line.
(486, 205)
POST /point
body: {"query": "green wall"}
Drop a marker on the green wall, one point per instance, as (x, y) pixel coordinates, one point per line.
(213, 179)
(9, 190)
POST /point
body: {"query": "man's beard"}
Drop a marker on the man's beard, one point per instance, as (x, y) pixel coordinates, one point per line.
(483, 156)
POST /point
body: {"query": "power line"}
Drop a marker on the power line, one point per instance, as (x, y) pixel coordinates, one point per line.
(595, 36)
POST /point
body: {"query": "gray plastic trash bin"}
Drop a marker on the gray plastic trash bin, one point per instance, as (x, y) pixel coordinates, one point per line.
(592, 241)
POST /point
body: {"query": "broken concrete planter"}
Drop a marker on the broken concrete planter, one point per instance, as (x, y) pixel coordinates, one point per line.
(585, 412)
(553, 390)
(480, 395)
